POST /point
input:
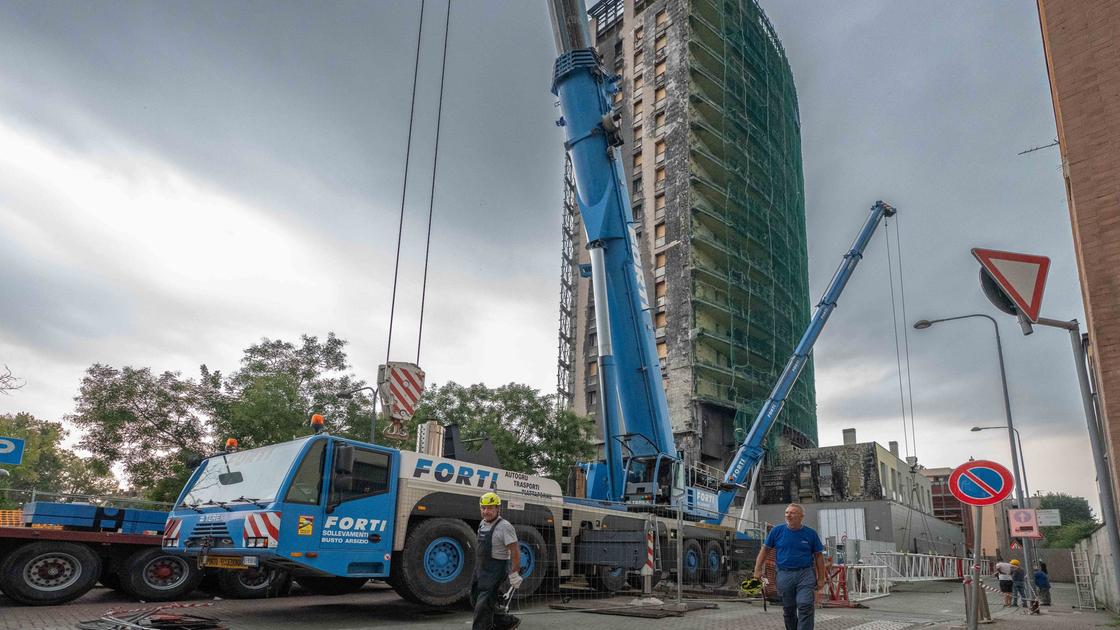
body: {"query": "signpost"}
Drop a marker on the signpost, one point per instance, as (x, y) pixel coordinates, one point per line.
(1049, 518)
(978, 483)
(1024, 523)
(1021, 276)
(11, 451)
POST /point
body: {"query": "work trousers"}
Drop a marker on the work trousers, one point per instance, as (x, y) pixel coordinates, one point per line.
(798, 589)
(1043, 595)
(1018, 590)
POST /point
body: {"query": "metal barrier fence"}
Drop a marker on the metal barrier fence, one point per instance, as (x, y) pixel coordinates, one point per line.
(921, 567)
(867, 581)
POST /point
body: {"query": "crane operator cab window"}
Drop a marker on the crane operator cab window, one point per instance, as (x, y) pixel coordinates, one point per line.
(307, 484)
(371, 476)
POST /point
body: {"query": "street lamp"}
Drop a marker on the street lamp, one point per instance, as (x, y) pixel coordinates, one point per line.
(922, 324)
(1022, 456)
(373, 417)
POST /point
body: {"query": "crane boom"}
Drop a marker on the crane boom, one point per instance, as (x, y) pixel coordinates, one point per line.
(751, 451)
(632, 403)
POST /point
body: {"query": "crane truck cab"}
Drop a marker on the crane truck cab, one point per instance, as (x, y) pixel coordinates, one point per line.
(334, 513)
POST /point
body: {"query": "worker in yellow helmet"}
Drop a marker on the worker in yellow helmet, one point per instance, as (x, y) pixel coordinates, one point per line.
(498, 560)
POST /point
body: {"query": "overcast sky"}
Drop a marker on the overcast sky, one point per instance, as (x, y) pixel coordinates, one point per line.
(179, 180)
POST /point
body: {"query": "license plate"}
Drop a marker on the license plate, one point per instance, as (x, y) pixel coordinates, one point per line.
(228, 562)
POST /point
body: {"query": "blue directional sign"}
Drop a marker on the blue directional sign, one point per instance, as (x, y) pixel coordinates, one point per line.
(11, 451)
(980, 483)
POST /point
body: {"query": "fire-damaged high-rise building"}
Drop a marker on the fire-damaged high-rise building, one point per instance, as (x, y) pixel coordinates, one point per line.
(712, 156)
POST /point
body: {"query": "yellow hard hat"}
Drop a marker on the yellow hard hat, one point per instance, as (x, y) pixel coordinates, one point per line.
(490, 498)
(1014, 562)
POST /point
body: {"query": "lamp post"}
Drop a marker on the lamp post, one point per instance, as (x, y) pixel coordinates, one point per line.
(1019, 486)
(1022, 455)
(373, 417)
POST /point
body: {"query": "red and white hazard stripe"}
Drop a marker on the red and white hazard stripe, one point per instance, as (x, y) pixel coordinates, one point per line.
(648, 568)
(406, 385)
(263, 525)
(171, 532)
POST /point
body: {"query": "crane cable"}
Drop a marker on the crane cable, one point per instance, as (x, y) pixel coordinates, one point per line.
(432, 193)
(905, 392)
(404, 186)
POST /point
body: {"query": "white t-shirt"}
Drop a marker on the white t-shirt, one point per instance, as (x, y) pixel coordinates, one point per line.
(1003, 571)
(503, 536)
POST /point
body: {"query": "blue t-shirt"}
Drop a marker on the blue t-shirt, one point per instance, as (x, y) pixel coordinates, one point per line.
(795, 547)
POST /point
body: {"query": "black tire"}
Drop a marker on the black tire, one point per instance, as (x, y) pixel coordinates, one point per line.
(457, 541)
(692, 556)
(254, 583)
(48, 573)
(528, 537)
(608, 579)
(331, 585)
(154, 575)
(713, 553)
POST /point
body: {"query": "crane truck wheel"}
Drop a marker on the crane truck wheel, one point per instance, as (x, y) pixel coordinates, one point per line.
(154, 575)
(254, 583)
(534, 559)
(437, 563)
(608, 579)
(692, 558)
(712, 569)
(47, 573)
(331, 585)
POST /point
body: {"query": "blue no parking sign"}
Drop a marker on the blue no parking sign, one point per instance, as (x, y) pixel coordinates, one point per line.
(980, 483)
(11, 451)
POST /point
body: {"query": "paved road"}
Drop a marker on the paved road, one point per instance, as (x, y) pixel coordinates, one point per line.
(934, 605)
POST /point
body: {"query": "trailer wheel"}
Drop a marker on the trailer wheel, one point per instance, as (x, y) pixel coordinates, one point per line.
(331, 585)
(712, 570)
(153, 575)
(534, 559)
(254, 583)
(608, 579)
(437, 564)
(46, 573)
(692, 557)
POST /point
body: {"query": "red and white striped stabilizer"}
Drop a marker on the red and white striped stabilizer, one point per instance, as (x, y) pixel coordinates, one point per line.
(263, 525)
(647, 569)
(171, 531)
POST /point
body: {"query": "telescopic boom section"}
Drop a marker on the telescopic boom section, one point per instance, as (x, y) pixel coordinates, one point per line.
(631, 401)
(750, 453)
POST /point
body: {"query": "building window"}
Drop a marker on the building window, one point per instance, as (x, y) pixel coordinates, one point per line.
(659, 95)
(638, 110)
(592, 401)
(659, 180)
(659, 234)
(637, 161)
(660, 43)
(659, 121)
(592, 368)
(659, 262)
(662, 350)
(639, 83)
(660, 320)
(659, 72)
(639, 32)
(659, 289)
(639, 57)
(659, 151)
(637, 133)
(661, 18)
(616, 98)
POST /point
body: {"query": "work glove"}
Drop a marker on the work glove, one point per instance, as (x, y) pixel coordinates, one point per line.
(515, 580)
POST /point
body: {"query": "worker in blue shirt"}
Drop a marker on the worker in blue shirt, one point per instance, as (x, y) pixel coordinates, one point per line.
(800, 567)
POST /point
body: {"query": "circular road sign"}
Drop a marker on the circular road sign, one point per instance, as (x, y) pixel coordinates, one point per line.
(980, 483)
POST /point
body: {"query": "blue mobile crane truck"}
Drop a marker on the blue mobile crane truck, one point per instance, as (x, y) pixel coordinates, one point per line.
(335, 512)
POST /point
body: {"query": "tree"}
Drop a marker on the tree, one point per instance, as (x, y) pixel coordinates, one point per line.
(148, 424)
(270, 399)
(1077, 520)
(8, 382)
(527, 432)
(47, 466)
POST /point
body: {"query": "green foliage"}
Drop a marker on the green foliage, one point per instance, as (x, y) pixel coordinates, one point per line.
(140, 421)
(280, 385)
(523, 425)
(1069, 534)
(47, 466)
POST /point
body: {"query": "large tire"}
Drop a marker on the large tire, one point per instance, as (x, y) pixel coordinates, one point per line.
(254, 583)
(608, 579)
(331, 585)
(153, 575)
(535, 561)
(48, 573)
(109, 579)
(437, 564)
(712, 564)
(692, 560)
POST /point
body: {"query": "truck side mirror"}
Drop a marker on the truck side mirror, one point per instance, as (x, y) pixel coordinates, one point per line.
(344, 459)
(342, 479)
